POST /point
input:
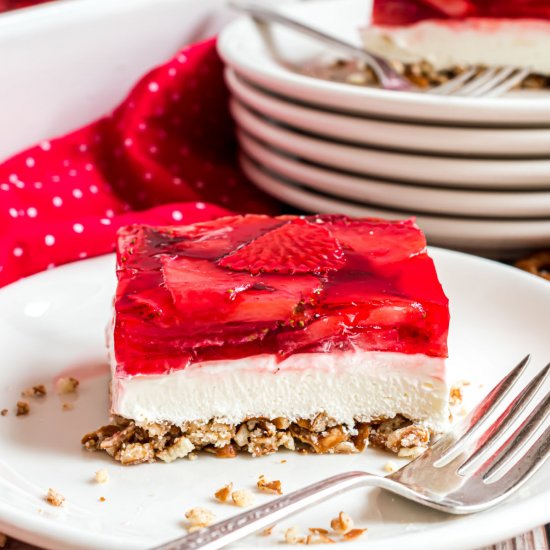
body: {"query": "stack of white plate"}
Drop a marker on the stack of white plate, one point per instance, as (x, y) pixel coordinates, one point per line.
(474, 172)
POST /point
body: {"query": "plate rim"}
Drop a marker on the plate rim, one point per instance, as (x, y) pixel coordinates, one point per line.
(415, 196)
(473, 173)
(244, 91)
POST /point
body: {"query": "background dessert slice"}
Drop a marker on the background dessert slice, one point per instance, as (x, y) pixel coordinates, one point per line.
(254, 333)
(434, 36)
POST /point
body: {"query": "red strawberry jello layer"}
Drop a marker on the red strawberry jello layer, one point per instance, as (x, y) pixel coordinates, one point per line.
(453, 33)
(253, 333)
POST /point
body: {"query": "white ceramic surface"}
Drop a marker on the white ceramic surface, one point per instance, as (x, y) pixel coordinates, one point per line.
(414, 198)
(480, 234)
(455, 140)
(53, 324)
(243, 48)
(404, 167)
(66, 63)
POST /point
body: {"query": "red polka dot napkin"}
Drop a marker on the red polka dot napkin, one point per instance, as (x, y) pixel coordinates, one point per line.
(171, 140)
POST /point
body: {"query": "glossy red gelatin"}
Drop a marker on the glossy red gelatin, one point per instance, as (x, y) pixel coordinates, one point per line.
(247, 285)
(407, 12)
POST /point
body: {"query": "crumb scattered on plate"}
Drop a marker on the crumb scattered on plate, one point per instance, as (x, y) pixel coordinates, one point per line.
(242, 498)
(23, 408)
(102, 499)
(4, 412)
(102, 476)
(224, 493)
(67, 406)
(67, 384)
(54, 498)
(390, 466)
(273, 487)
(199, 518)
(292, 536)
(35, 391)
(342, 524)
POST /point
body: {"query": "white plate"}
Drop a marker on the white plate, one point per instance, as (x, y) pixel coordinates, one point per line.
(414, 198)
(477, 142)
(405, 167)
(53, 323)
(242, 47)
(500, 236)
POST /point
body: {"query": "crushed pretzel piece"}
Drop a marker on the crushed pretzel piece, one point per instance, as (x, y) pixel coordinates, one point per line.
(318, 531)
(179, 449)
(101, 476)
(66, 384)
(353, 534)
(23, 408)
(224, 493)
(242, 498)
(199, 518)
(292, 536)
(54, 498)
(272, 487)
(35, 391)
(342, 524)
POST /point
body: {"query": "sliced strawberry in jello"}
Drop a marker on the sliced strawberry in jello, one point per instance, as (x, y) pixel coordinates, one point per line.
(203, 291)
(298, 246)
(277, 298)
(213, 239)
(379, 241)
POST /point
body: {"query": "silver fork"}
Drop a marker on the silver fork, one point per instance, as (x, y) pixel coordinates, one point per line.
(471, 469)
(490, 82)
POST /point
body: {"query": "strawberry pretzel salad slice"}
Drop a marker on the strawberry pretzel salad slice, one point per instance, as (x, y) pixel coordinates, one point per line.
(320, 334)
(432, 40)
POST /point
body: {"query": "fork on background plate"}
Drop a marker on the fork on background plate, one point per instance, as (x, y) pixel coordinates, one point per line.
(473, 82)
(477, 465)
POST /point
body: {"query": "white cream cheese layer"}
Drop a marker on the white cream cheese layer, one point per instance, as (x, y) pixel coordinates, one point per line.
(521, 43)
(347, 386)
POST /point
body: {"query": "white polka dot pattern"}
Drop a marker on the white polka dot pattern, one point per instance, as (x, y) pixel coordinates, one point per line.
(165, 156)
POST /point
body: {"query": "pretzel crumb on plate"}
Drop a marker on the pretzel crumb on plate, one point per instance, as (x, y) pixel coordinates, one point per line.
(67, 384)
(101, 476)
(35, 391)
(242, 498)
(22, 408)
(273, 487)
(224, 494)
(199, 518)
(54, 498)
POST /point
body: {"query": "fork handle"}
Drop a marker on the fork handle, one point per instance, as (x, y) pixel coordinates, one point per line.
(238, 527)
(378, 64)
